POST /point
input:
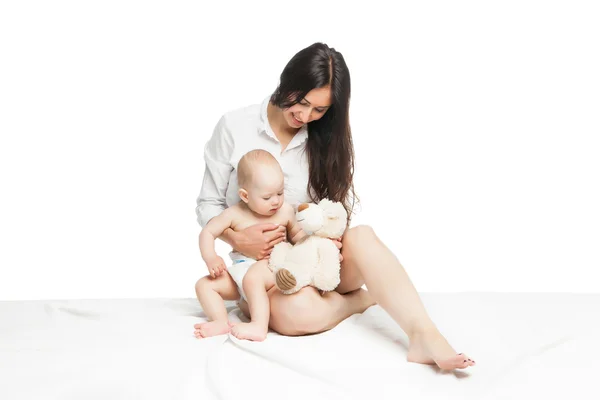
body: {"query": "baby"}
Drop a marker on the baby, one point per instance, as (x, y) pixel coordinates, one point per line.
(260, 180)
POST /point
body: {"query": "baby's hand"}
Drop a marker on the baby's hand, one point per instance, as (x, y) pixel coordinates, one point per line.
(215, 266)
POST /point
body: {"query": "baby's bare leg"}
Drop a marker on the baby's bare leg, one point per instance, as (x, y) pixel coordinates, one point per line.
(211, 292)
(257, 282)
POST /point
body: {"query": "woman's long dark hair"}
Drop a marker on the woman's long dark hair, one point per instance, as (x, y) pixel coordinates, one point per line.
(329, 144)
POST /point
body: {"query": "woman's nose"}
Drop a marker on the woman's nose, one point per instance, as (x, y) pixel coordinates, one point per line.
(305, 116)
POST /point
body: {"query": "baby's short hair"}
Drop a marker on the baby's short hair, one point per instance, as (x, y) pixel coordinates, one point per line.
(249, 161)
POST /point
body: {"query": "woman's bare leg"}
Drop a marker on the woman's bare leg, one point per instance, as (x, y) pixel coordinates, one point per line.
(368, 260)
(367, 257)
(289, 316)
(326, 310)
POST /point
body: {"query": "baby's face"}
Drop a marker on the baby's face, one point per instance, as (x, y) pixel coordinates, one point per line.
(265, 194)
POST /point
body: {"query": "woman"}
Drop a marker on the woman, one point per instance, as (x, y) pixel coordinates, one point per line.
(305, 125)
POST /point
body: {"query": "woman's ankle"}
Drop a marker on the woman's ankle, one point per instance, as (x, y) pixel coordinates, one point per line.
(420, 329)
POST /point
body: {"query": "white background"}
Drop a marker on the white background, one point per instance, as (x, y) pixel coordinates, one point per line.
(476, 129)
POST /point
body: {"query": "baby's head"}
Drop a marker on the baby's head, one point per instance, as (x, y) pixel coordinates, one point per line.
(260, 179)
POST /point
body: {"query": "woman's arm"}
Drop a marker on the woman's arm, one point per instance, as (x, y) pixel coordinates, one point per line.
(217, 153)
(254, 242)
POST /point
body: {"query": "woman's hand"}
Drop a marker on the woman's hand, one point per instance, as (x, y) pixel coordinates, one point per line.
(257, 241)
(338, 244)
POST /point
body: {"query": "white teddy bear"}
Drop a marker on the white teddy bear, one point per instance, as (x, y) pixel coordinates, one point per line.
(315, 260)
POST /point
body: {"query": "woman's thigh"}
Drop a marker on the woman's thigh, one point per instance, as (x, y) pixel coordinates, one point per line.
(353, 241)
(296, 314)
(289, 311)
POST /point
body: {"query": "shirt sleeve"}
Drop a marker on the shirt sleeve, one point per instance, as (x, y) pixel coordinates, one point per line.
(217, 154)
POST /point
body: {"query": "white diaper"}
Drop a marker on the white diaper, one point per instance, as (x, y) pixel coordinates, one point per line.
(240, 265)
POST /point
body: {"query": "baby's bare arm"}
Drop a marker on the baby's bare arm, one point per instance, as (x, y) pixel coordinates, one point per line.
(295, 232)
(213, 229)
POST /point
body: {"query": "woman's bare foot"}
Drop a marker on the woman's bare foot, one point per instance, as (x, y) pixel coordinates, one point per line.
(432, 348)
(249, 331)
(212, 328)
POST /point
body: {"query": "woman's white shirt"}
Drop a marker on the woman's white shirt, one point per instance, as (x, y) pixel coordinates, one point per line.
(236, 133)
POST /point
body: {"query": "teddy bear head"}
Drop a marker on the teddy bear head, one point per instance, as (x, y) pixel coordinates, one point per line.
(327, 219)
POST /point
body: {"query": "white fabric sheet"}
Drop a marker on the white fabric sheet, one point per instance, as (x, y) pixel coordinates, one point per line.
(526, 346)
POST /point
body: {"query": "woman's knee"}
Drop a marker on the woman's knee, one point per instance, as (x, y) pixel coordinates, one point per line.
(358, 234)
(356, 238)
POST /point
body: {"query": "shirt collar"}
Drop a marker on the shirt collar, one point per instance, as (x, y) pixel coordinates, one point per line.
(297, 140)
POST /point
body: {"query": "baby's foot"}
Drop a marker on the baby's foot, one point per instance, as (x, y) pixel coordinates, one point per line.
(212, 328)
(249, 331)
(432, 348)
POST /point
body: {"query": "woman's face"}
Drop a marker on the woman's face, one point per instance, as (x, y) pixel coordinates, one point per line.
(311, 108)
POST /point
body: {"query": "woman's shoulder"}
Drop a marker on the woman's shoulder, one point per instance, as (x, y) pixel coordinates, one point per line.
(241, 123)
(243, 116)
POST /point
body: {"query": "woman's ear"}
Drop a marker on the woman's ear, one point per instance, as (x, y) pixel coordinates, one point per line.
(243, 195)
